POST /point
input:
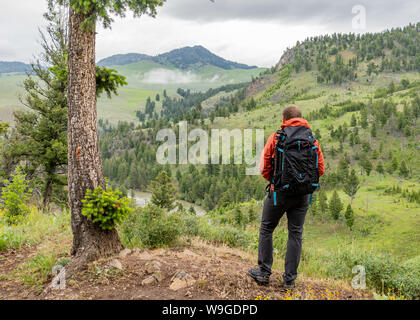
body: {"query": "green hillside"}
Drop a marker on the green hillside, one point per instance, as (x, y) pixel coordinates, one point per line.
(10, 88)
(185, 58)
(361, 96)
(145, 78)
(388, 107)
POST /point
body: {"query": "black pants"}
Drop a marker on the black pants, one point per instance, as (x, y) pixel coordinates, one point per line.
(296, 208)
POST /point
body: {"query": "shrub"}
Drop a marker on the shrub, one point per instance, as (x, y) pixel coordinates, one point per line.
(10, 238)
(163, 191)
(36, 270)
(33, 228)
(151, 227)
(280, 237)
(15, 195)
(383, 272)
(105, 207)
(226, 234)
(190, 224)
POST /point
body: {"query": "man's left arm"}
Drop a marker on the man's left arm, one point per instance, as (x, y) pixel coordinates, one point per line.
(321, 167)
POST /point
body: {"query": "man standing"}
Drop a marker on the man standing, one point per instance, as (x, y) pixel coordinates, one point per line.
(292, 161)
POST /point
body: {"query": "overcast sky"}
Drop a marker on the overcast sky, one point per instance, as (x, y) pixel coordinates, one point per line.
(255, 32)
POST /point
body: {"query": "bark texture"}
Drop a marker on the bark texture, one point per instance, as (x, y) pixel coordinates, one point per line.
(47, 193)
(84, 163)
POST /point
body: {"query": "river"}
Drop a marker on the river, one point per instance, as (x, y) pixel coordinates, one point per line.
(143, 198)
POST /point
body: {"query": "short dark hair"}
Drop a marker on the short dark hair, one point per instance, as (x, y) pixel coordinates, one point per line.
(291, 112)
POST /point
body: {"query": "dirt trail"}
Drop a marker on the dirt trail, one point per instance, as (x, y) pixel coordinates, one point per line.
(199, 272)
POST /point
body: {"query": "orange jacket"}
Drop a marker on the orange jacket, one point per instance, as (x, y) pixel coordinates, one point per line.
(268, 152)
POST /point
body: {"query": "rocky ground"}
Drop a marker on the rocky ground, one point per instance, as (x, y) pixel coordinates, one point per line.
(199, 271)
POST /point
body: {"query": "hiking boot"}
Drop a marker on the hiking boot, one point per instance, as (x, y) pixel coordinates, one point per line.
(289, 285)
(259, 276)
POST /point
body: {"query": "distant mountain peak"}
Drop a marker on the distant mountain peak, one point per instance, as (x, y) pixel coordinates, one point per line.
(183, 58)
(14, 66)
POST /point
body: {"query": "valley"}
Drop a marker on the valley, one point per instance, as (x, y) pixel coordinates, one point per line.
(361, 96)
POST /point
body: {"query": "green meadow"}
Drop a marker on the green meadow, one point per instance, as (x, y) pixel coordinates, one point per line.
(145, 79)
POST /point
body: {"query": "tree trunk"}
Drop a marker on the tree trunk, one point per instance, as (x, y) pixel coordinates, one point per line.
(84, 164)
(47, 192)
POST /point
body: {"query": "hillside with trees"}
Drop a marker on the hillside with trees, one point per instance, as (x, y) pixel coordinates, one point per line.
(182, 58)
(361, 95)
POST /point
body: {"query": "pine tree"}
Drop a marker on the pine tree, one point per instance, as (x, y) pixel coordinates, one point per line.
(314, 208)
(41, 132)
(335, 205)
(366, 164)
(163, 191)
(394, 164)
(84, 163)
(4, 126)
(349, 216)
(351, 185)
(403, 169)
(380, 168)
(353, 120)
(364, 118)
(252, 216)
(238, 217)
(323, 203)
(343, 168)
(192, 211)
(373, 130)
(318, 134)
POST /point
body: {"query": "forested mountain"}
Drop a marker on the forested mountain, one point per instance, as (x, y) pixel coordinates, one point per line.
(361, 96)
(123, 59)
(14, 66)
(337, 57)
(183, 58)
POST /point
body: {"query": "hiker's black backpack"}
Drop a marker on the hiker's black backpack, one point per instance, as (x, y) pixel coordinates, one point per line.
(295, 163)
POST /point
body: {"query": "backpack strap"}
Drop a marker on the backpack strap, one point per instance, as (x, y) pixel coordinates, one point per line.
(278, 156)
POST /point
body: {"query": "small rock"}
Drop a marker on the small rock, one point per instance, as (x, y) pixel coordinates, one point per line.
(158, 276)
(116, 264)
(145, 256)
(181, 280)
(152, 267)
(159, 252)
(178, 285)
(124, 253)
(148, 280)
(190, 253)
(136, 251)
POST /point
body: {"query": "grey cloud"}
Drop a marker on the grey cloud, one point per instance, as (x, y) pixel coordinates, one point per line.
(19, 22)
(380, 13)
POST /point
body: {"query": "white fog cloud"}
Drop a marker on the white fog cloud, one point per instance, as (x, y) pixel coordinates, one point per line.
(166, 76)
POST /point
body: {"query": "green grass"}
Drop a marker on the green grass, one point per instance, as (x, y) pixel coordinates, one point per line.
(49, 233)
(35, 228)
(124, 106)
(133, 96)
(10, 88)
(390, 221)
